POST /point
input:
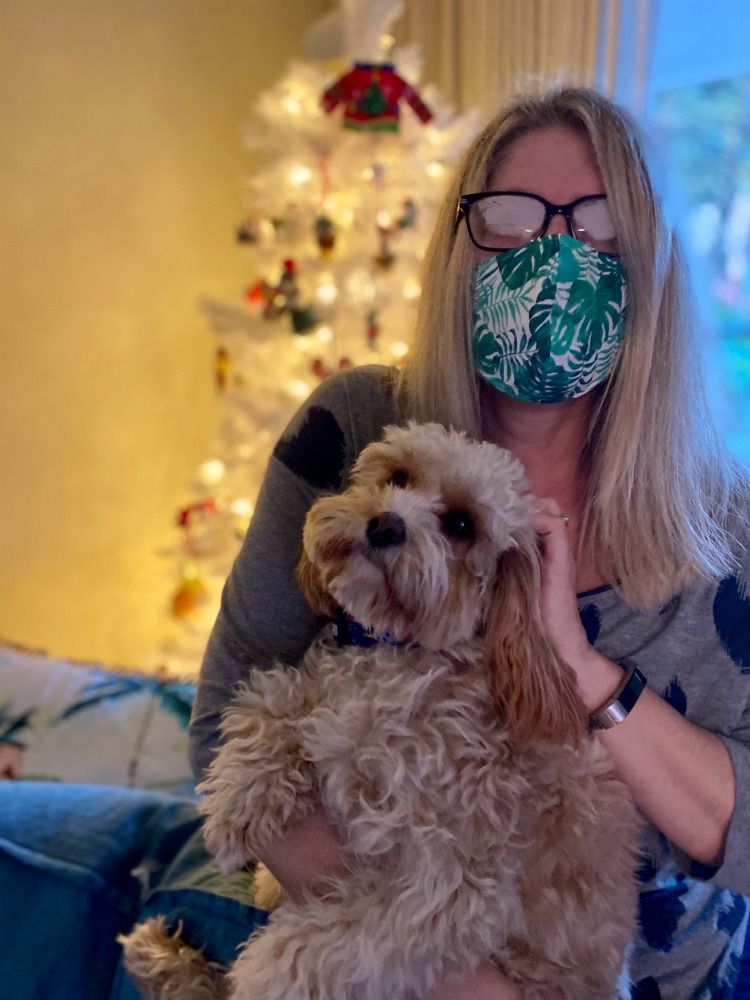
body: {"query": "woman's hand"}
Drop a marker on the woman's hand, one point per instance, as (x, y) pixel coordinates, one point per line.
(306, 856)
(597, 677)
(11, 759)
(487, 983)
(557, 597)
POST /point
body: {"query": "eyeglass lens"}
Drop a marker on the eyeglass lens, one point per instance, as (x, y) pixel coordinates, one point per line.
(502, 222)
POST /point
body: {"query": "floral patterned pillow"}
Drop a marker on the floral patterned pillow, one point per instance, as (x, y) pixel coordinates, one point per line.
(85, 724)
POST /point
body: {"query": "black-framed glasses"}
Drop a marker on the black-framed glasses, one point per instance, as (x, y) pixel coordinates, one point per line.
(503, 220)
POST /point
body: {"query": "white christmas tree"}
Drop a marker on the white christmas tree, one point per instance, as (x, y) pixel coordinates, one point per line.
(338, 217)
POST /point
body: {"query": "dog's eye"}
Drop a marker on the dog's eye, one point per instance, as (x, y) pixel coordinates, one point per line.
(458, 524)
(399, 479)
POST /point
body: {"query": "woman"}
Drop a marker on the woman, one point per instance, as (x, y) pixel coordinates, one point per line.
(553, 322)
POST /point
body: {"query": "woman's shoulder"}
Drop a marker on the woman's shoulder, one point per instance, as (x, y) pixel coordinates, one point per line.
(344, 414)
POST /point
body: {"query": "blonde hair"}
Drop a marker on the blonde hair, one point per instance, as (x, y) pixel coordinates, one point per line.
(662, 487)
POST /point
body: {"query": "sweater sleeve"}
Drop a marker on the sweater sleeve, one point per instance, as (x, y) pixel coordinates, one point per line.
(263, 618)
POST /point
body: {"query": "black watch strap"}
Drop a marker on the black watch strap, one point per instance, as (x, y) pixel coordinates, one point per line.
(619, 706)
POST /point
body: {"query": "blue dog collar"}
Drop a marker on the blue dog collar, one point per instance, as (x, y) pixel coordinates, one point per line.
(348, 632)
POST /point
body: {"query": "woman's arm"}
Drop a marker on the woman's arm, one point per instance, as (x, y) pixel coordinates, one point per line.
(263, 617)
(680, 775)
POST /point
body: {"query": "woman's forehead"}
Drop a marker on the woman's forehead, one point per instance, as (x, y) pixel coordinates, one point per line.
(557, 163)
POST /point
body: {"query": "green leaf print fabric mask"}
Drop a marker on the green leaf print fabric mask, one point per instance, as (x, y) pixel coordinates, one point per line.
(548, 318)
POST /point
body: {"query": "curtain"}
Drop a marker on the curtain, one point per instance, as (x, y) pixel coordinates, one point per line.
(480, 52)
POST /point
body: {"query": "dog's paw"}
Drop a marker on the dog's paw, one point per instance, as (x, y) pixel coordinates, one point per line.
(267, 892)
(163, 966)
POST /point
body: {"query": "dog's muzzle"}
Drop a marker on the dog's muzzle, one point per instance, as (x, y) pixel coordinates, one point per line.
(385, 531)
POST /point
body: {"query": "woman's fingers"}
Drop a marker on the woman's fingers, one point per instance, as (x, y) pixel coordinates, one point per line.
(11, 760)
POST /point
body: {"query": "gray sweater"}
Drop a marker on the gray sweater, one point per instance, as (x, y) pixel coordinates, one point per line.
(694, 651)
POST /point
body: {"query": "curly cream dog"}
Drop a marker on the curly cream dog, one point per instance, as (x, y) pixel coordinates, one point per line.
(479, 819)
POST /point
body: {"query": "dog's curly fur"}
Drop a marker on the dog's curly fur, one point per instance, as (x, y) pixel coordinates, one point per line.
(479, 819)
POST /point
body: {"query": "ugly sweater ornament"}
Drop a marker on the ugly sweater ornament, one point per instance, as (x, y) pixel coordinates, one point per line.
(372, 92)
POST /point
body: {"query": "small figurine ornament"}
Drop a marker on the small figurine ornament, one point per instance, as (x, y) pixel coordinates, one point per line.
(372, 329)
(223, 366)
(303, 318)
(385, 258)
(248, 231)
(408, 217)
(371, 93)
(288, 281)
(325, 232)
(189, 596)
(321, 369)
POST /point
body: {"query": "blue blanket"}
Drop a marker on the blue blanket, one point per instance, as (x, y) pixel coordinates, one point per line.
(81, 864)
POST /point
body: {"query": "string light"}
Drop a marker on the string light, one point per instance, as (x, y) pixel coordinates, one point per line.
(297, 388)
(212, 472)
(324, 335)
(327, 292)
(299, 175)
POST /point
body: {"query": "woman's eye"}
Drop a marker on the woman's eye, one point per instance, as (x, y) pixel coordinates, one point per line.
(399, 479)
(458, 524)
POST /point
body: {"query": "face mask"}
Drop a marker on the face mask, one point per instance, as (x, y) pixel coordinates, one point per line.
(548, 318)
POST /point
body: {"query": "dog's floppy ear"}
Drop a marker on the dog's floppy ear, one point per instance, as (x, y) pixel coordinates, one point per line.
(535, 688)
(313, 590)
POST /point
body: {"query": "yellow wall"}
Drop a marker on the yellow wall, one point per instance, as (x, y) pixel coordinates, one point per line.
(120, 185)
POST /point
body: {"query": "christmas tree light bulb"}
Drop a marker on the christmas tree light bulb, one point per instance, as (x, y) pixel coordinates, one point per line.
(292, 105)
(412, 289)
(212, 472)
(399, 349)
(298, 388)
(299, 175)
(435, 169)
(241, 507)
(368, 174)
(324, 335)
(383, 219)
(387, 42)
(302, 343)
(327, 293)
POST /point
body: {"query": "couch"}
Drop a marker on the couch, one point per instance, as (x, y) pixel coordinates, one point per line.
(101, 829)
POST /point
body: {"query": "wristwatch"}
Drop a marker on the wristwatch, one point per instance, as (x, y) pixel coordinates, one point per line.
(622, 701)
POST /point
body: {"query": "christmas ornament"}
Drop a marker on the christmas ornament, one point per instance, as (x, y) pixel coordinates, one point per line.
(223, 365)
(372, 329)
(371, 93)
(321, 369)
(189, 596)
(385, 257)
(265, 294)
(248, 231)
(303, 316)
(324, 230)
(304, 319)
(408, 217)
(287, 286)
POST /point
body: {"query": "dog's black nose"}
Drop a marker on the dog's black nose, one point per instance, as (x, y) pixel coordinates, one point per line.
(385, 530)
